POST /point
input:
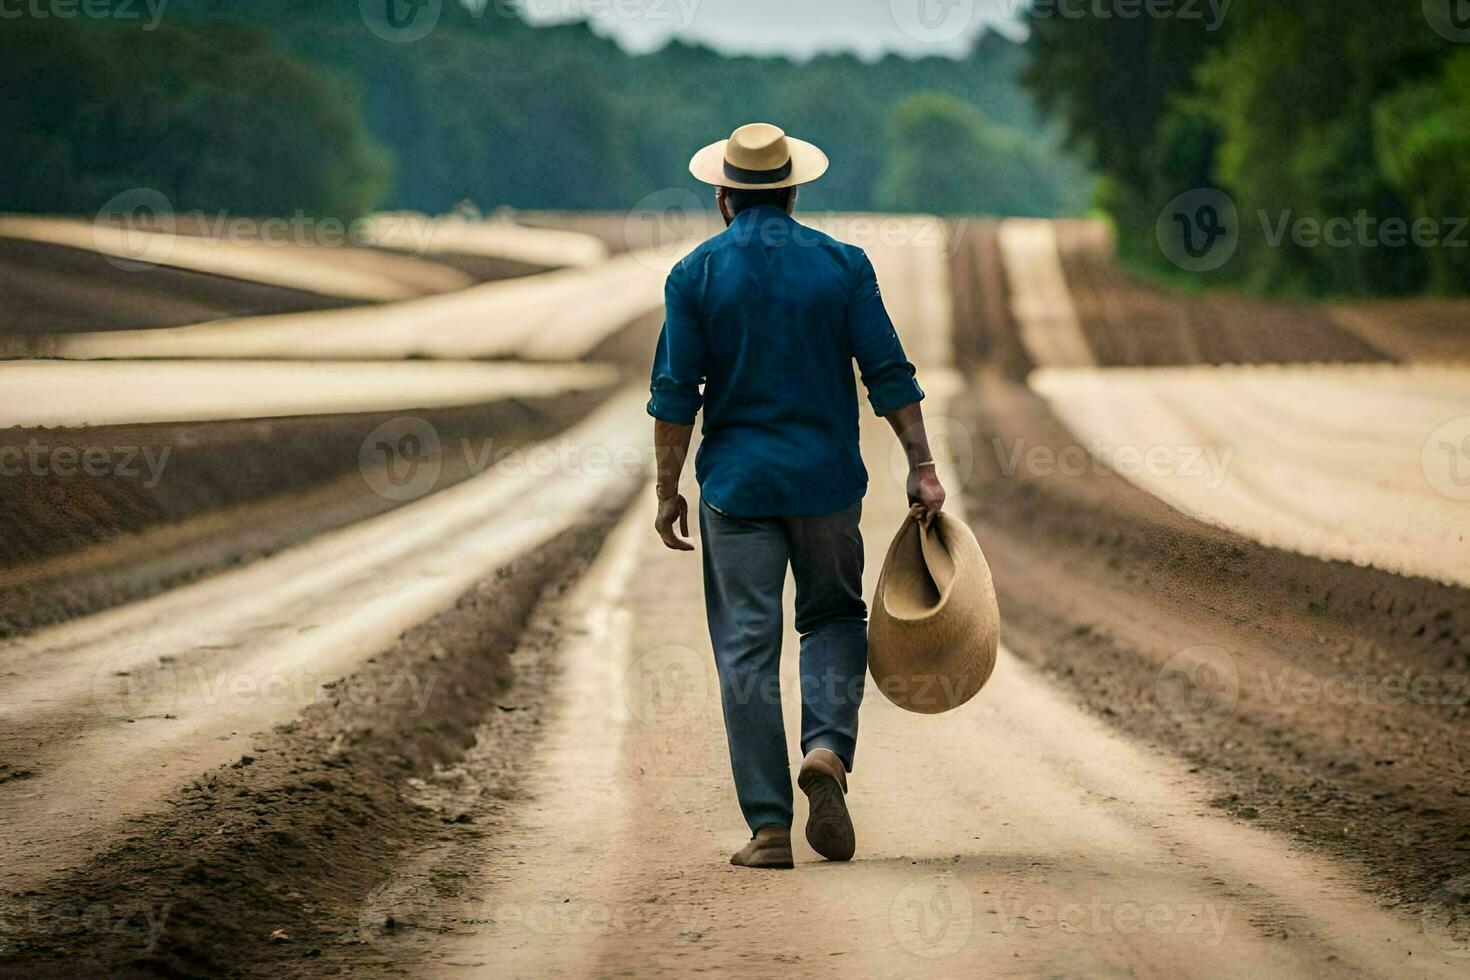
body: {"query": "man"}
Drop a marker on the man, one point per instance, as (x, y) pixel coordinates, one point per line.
(769, 316)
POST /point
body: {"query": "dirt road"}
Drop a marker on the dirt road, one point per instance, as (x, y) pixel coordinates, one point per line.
(1023, 839)
(70, 394)
(1019, 836)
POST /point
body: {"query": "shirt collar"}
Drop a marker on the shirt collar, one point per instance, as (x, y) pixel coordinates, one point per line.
(764, 222)
(761, 212)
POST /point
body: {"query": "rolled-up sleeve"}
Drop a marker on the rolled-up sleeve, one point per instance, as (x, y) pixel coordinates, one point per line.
(678, 363)
(886, 372)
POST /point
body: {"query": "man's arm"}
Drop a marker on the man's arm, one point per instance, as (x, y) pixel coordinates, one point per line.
(892, 390)
(671, 446)
(923, 488)
(678, 371)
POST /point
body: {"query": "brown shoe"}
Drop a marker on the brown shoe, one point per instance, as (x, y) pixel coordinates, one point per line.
(769, 848)
(828, 827)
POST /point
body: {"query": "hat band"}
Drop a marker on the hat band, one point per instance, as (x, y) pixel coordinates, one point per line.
(744, 176)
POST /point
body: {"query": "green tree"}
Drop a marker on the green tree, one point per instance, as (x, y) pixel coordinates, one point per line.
(489, 108)
(1422, 135)
(1292, 93)
(274, 105)
(1322, 112)
(944, 157)
(215, 118)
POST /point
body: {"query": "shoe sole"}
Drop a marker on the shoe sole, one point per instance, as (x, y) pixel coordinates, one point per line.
(828, 826)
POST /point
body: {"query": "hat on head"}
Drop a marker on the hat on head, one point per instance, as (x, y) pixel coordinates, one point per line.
(757, 157)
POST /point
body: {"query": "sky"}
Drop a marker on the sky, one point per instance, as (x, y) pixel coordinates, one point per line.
(796, 28)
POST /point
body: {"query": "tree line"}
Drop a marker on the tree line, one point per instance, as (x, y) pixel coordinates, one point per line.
(285, 106)
(1339, 131)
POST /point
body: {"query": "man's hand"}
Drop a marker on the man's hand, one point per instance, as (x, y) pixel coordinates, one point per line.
(676, 508)
(671, 445)
(926, 496)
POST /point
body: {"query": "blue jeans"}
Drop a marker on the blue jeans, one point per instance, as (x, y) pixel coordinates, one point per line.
(744, 573)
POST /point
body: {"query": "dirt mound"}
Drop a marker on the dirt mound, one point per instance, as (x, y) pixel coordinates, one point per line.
(54, 289)
(262, 864)
(484, 268)
(168, 502)
(1128, 322)
(1421, 329)
(1325, 699)
(618, 230)
(984, 333)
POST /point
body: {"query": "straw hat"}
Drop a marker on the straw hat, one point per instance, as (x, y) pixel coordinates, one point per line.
(758, 157)
(935, 623)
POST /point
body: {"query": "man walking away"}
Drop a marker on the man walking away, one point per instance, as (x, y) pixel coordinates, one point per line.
(769, 316)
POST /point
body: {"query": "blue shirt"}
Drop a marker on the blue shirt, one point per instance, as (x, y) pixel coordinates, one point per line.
(769, 316)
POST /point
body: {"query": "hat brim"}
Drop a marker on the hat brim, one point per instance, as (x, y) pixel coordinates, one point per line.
(807, 164)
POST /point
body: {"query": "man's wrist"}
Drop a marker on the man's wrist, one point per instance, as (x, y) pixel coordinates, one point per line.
(666, 493)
